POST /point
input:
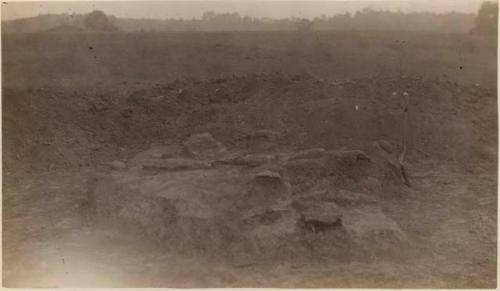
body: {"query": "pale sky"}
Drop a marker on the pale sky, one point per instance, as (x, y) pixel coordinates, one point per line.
(195, 8)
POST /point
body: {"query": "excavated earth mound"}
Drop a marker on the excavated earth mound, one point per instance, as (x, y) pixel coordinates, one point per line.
(242, 207)
(55, 127)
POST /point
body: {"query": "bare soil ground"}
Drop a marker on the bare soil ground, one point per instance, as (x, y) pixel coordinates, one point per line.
(74, 103)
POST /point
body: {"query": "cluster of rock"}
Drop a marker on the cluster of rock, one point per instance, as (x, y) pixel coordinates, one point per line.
(200, 198)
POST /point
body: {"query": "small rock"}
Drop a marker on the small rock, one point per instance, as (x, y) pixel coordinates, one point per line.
(268, 174)
(252, 160)
(135, 169)
(322, 216)
(265, 134)
(355, 155)
(264, 216)
(309, 154)
(204, 146)
(368, 225)
(117, 165)
(386, 146)
(157, 155)
(348, 198)
(156, 152)
(176, 164)
(162, 155)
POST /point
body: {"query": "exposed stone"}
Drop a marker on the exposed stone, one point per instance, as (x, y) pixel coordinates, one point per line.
(156, 152)
(348, 198)
(268, 174)
(386, 146)
(245, 214)
(118, 165)
(356, 155)
(182, 203)
(251, 160)
(339, 168)
(277, 234)
(204, 146)
(340, 197)
(268, 192)
(309, 154)
(161, 155)
(322, 216)
(175, 164)
(264, 216)
(369, 223)
(157, 155)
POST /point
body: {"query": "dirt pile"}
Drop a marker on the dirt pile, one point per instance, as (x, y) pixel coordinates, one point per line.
(263, 112)
(276, 141)
(244, 213)
(204, 146)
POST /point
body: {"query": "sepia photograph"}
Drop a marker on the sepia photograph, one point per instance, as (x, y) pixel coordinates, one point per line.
(249, 144)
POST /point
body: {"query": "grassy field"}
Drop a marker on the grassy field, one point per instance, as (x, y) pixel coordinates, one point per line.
(55, 58)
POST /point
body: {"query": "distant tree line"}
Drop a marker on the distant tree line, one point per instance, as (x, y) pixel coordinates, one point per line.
(99, 21)
(486, 21)
(366, 19)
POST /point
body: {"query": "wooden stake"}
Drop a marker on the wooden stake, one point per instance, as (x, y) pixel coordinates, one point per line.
(405, 102)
